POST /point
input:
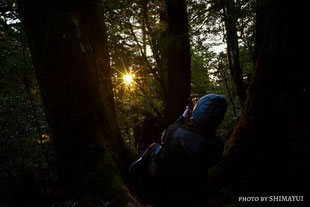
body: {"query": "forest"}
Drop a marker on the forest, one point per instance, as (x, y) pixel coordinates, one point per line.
(86, 86)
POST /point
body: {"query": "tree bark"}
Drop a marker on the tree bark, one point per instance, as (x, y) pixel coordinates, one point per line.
(178, 57)
(233, 49)
(268, 150)
(68, 46)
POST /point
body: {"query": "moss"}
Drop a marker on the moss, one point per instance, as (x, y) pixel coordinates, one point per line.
(105, 182)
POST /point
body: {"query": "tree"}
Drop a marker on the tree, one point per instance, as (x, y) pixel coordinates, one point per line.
(178, 58)
(233, 48)
(268, 150)
(69, 49)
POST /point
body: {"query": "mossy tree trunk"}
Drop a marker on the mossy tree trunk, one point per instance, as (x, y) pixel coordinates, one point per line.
(268, 150)
(68, 46)
(178, 59)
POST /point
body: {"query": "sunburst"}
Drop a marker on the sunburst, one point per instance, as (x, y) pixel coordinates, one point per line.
(128, 79)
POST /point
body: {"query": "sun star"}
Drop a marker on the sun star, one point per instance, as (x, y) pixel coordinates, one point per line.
(128, 79)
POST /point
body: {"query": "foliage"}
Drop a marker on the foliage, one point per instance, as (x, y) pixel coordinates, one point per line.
(134, 30)
(137, 45)
(26, 152)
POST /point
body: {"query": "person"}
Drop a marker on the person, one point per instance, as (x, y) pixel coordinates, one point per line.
(174, 173)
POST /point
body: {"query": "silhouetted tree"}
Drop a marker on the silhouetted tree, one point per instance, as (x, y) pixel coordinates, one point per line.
(68, 46)
(268, 151)
(178, 58)
(233, 48)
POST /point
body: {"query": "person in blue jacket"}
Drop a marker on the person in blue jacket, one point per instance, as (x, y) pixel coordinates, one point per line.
(174, 173)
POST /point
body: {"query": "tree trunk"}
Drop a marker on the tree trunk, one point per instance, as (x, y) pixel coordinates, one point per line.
(179, 62)
(68, 46)
(260, 30)
(233, 49)
(157, 44)
(268, 151)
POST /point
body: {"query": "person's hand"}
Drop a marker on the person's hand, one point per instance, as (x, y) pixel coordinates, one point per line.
(186, 113)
